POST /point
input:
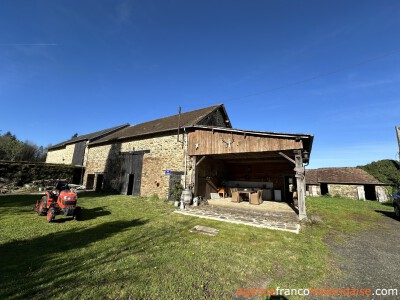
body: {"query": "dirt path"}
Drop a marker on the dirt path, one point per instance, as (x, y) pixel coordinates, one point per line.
(371, 259)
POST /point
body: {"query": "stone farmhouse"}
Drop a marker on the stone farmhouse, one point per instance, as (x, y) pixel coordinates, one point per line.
(352, 183)
(199, 148)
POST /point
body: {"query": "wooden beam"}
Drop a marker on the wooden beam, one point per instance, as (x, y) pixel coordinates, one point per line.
(200, 160)
(287, 157)
(211, 183)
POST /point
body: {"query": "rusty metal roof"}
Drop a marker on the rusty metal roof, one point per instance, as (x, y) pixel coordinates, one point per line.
(89, 136)
(346, 175)
(187, 119)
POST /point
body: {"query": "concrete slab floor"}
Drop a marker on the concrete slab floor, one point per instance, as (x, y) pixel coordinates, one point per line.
(269, 214)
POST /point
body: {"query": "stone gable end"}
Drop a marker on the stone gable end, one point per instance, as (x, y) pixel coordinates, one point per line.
(61, 156)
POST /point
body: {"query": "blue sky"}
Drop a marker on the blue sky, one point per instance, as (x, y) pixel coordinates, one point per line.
(80, 66)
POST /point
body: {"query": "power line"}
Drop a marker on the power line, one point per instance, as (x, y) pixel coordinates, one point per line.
(369, 60)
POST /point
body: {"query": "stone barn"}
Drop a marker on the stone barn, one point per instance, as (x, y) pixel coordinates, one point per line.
(198, 148)
(148, 158)
(202, 150)
(352, 183)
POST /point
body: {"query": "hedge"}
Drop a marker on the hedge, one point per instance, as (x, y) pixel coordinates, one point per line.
(27, 172)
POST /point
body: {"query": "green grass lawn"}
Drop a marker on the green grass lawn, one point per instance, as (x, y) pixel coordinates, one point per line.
(136, 247)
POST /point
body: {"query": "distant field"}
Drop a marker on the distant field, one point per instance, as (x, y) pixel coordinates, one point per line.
(136, 247)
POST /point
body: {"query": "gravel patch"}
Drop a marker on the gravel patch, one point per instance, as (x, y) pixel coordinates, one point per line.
(369, 260)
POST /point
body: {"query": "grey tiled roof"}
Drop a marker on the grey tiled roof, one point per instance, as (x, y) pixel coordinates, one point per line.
(89, 136)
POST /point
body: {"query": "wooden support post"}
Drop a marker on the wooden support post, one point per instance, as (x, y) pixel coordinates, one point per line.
(301, 185)
(300, 180)
(193, 181)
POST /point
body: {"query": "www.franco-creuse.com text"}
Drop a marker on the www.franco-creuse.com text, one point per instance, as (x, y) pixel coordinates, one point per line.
(321, 292)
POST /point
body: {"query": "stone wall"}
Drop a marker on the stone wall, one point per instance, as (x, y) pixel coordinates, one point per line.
(165, 154)
(350, 191)
(343, 190)
(61, 156)
(16, 174)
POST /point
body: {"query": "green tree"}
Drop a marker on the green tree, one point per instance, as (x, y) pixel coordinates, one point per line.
(12, 149)
(386, 171)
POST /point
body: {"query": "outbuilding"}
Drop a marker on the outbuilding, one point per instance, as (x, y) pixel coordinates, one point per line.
(348, 182)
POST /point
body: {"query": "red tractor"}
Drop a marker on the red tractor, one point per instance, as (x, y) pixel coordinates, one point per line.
(60, 202)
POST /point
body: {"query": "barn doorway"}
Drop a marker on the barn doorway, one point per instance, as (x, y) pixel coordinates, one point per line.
(369, 190)
(131, 172)
(131, 180)
(90, 182)
(99, 182)
(324, 189)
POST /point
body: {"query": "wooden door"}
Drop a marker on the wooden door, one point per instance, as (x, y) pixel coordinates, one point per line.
(131, 172)
(79, 153)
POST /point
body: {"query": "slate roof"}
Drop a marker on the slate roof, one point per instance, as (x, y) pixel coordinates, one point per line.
(340, 175)
(89, 136)
(187, 119)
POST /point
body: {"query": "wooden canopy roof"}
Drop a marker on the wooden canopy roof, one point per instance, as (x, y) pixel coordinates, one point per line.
(228, 142)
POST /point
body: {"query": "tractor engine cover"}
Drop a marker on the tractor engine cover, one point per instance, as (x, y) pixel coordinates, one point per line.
(67, 199)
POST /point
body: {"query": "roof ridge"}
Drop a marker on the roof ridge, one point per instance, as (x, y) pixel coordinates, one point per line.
(168, 123)
(175, 115)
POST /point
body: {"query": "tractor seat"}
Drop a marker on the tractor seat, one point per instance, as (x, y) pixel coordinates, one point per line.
(62, 185)
(53, 195)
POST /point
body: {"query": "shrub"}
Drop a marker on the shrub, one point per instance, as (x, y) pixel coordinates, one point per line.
(176, 191)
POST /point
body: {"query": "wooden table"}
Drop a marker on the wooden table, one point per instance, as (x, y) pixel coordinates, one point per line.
(245, 193)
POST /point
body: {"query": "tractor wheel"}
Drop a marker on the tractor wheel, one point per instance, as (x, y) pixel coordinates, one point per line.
(42, 206)
(36, 207)
(77, 213)
(51, 215)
